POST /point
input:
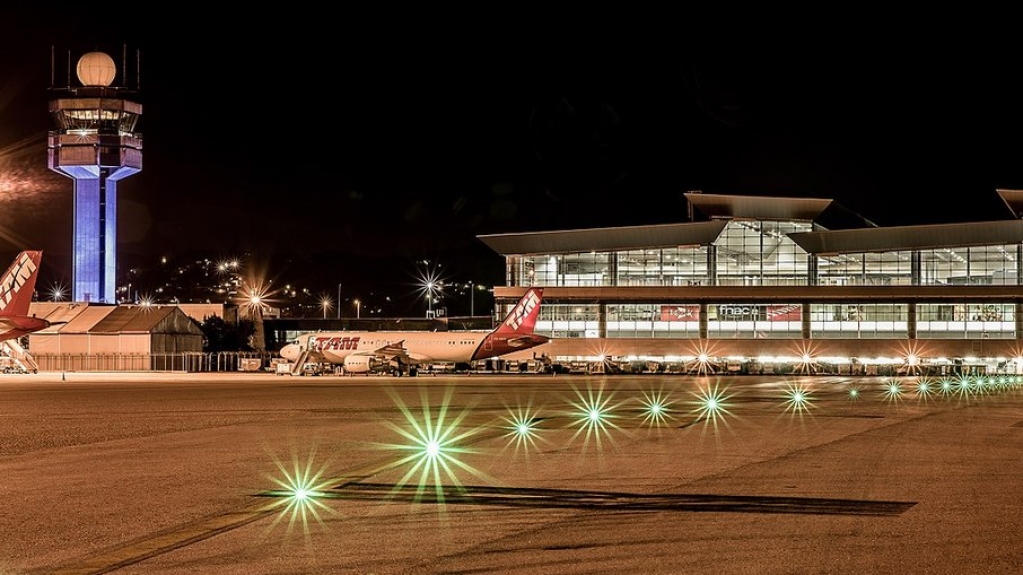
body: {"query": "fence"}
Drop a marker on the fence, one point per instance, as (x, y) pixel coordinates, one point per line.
(182, 361)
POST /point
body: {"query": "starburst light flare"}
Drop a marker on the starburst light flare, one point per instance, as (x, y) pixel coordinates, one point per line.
(522, 428)
(594, 415)
(923, 390)
(657, 408)
(892, 391)
(710, 405)
(798, 399)
(302, 486)
(962, 388)
(434, 449)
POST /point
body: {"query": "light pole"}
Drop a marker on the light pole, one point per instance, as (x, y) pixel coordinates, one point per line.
(325, 303)
(338, 301)
(358, 309)
(472, 299)
(429, 299)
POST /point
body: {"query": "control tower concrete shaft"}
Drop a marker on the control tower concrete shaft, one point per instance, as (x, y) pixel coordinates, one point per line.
(95, 144)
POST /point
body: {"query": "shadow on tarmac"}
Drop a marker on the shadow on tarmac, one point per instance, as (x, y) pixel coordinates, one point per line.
(606, 500)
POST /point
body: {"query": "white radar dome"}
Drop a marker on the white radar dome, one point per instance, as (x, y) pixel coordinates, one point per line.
(96, 69)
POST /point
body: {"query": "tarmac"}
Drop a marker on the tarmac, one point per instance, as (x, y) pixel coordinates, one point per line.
(241, 473)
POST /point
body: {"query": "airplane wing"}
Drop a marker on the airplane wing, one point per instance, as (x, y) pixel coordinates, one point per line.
(392, 352)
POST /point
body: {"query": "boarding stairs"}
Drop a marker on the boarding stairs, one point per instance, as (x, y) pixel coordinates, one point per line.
(19, 356)
(298, 368)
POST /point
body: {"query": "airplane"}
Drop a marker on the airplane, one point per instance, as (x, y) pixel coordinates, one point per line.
(403, 351)
(16, 289)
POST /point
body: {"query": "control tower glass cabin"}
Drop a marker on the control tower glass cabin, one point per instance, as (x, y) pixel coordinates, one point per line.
(96, 145)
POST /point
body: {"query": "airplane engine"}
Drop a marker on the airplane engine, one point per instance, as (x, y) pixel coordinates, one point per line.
(365, 364)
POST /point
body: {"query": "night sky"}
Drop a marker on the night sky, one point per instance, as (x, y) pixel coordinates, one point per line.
(372, 142)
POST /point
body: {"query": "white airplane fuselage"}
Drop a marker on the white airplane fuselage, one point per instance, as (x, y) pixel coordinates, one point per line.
(364, 351)
(421, 345)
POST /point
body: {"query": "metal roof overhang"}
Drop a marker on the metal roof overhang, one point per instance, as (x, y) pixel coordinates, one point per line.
(769, 294)
(911, 237)
(605, 239)
(1013, 200)
(755, 207)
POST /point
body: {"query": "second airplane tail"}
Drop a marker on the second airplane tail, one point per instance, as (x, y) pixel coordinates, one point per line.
(18, 284)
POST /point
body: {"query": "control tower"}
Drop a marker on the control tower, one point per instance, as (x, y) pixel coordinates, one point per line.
(96, 145)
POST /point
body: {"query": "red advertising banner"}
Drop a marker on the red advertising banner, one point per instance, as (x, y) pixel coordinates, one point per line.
(788, 312)
(680, 313)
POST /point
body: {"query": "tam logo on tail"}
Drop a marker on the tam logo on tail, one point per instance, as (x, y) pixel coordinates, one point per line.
(516, 331)
(522, 311)
(17, 276)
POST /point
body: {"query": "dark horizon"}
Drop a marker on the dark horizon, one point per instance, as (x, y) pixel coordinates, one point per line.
(384, 143)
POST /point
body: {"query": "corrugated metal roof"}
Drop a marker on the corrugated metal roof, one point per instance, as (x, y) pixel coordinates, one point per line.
(605, 239)
(86, 318)
(133, 319)
(757, 207)
(69, 318)
(911, 237)
(57, 313)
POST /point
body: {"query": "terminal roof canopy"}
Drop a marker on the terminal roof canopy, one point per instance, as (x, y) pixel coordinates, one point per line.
(720, 206)
(824, 213)
(605, 239)
(911, 237)
(837, 230)
(1014, 200)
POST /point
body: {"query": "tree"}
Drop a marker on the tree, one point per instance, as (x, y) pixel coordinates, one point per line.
(219, 335)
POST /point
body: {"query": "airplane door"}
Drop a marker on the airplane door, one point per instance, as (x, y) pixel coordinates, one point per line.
(488, 343)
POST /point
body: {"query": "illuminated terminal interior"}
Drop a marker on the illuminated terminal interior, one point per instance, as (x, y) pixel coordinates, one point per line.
(754, 284)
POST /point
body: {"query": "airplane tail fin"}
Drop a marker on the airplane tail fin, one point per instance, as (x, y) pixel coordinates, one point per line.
(516, 331)
(522, 318)
(18, 284)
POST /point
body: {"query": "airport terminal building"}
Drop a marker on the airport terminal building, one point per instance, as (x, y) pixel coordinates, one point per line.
(771, 284)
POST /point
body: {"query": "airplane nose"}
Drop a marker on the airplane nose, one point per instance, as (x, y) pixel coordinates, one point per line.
(290, 352)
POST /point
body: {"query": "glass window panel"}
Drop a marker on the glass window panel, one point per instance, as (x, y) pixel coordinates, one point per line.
(859, 321)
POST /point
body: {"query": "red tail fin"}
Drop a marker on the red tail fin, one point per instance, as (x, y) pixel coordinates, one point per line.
(17, 285)
(522, 318)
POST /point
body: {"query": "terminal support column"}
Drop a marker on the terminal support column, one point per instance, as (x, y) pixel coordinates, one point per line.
(805, 316)
(712, 264)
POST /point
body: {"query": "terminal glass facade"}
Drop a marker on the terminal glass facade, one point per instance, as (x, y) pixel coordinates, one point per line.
(966, 321)
(659, 320)
(751, 320)
(859, 321)
(760, 253)
(893, 268)
(561, 320)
